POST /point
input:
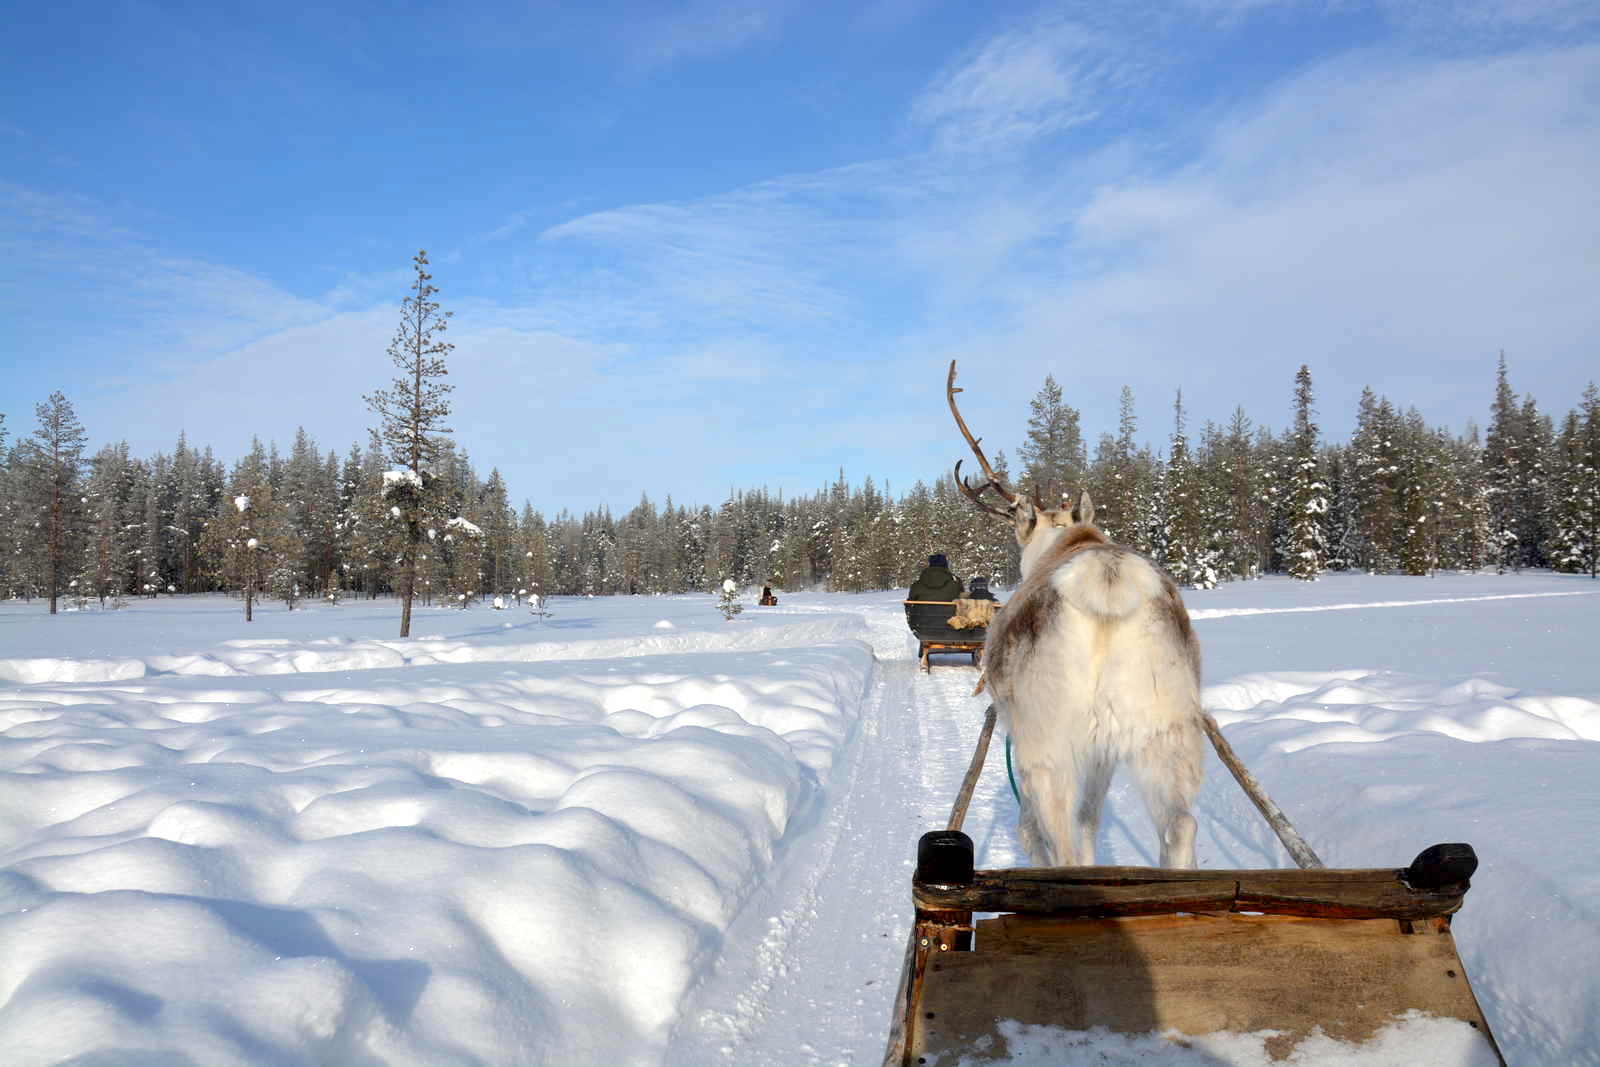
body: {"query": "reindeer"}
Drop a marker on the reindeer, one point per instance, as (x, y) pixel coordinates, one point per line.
(1092, 663)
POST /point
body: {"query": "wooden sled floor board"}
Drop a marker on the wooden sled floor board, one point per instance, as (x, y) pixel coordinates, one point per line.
(1197, 974)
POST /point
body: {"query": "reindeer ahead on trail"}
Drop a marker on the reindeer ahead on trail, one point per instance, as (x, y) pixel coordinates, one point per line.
(1092, 663)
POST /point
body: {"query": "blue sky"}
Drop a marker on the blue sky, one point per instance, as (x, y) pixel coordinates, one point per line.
(691, 246)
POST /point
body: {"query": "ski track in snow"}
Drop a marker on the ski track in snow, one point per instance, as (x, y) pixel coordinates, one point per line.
(812, 966)
(1201, 614)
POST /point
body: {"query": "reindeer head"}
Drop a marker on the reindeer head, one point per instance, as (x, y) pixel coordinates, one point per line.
(1037, 527)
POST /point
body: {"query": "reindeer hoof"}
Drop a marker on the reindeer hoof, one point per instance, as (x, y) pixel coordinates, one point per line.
(944, 857)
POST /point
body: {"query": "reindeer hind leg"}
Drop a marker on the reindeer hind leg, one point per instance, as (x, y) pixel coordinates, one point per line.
(1169, 770)
(1049, 825)
(1096, 771)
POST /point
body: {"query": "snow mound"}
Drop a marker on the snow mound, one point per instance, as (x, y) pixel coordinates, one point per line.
(39, 670)
(1355, 706)
(471, 865)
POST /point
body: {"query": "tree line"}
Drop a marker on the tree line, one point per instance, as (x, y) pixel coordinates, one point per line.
(407, 514)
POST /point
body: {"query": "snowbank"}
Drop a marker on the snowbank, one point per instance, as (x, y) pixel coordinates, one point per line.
(402, 859)
(34, 670)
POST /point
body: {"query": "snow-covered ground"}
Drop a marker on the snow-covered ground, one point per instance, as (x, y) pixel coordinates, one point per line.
(637, 833)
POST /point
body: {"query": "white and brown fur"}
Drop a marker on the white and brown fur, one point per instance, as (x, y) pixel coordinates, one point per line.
(1093, 664)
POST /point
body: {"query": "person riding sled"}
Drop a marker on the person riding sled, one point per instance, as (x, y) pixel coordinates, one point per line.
(936, 582)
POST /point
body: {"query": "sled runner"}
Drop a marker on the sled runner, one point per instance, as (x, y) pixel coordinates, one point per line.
(1137, 950)
(930, 623)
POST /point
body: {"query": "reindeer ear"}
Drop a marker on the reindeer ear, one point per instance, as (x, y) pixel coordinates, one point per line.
(1024, 516)
(1084, 512)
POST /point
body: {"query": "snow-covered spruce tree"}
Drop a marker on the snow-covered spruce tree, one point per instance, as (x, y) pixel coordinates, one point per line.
(309, 499)
(728, 602)
(284, 558)
(1115, 478)
(414, 409)
(1342, 511)
(110, 494)
(1585, 485)
(1212, 468)
(1505, 473)
(1466, 542)
(1189, 556)
(1420, 491)
(459, 547)
(1307, 490)
(1574, 544)
(52, 472)
(1374, 468)
(1155, 513)
(1540, 436)
(234, 541)
(1239, 474)
(1053, 453)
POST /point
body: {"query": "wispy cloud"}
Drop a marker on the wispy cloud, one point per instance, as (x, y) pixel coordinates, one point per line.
(143, 304)
(1041, 77)
(702, 28)
(1373, 218)
(772, 256)
(1380, 215)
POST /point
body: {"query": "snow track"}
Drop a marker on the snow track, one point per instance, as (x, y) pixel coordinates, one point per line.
(813, 959)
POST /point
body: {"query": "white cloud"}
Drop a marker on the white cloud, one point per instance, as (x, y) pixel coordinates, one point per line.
(1385, 218)
(770, 257)
(1022, 84)
(1388, 224)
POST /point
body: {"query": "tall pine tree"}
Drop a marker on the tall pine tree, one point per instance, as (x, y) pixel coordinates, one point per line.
(1307, 490)
(413, 410)
(53, 468)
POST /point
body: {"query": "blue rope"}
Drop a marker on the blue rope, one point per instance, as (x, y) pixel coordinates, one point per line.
(1011, 774)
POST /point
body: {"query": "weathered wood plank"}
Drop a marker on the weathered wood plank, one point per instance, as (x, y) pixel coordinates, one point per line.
(1215, 895)
(1191, 974)
(1351, 894)
(1149, 875)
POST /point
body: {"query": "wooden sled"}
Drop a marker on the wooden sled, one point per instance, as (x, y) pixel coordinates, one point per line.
(930, 623)
(1141, 950)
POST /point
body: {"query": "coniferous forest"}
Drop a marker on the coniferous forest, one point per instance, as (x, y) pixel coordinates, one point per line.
(407, 512)
(1225, 501)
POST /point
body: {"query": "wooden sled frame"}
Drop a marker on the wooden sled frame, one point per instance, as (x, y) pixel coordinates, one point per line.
(927, 648)
(1141, 949)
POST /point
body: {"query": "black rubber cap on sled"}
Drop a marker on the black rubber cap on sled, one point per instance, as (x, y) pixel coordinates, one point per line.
(944, 857)
(1442, 866)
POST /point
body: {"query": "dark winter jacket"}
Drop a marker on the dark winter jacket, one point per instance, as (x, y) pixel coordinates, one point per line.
(935, 583)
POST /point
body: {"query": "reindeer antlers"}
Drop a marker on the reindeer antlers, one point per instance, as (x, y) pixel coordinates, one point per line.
(995, 482)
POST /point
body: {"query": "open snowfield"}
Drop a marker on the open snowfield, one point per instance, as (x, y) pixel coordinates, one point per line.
(636, 833)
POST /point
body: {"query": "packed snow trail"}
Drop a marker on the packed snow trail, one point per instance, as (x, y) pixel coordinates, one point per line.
(813, 961)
